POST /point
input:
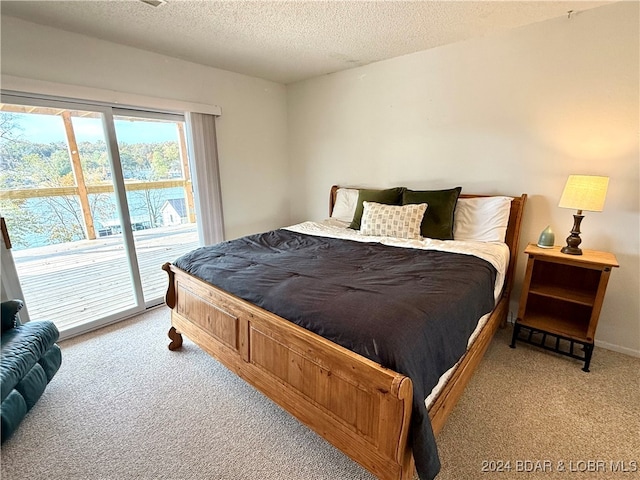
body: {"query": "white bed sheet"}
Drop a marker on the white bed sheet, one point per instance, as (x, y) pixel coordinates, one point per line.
(496, 253)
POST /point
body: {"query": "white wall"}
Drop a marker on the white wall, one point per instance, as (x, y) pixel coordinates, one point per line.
(251, 131)
(511, 113)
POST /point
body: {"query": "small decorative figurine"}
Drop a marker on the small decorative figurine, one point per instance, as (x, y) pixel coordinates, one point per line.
(547, 237)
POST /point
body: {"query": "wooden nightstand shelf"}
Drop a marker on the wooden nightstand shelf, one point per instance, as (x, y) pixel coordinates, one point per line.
(561, 300)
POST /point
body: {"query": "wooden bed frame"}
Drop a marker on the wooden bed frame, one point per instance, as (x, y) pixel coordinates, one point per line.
(360, 407)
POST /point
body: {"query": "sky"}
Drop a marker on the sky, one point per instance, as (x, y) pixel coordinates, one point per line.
(50, 128)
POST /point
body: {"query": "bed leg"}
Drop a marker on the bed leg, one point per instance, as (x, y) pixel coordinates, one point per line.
(176, 339)
(170, 297)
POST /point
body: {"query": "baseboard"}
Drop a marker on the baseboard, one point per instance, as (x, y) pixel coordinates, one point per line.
(74, 331)
(617, 348)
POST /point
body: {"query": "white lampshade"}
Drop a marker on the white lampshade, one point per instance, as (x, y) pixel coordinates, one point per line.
(584, 192)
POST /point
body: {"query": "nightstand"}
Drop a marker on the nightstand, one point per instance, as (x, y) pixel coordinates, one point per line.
(561, 300)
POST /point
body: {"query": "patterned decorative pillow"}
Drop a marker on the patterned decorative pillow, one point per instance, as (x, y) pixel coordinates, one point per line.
(402, 221)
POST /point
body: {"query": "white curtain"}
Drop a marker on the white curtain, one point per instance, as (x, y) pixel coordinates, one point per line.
(203, 153)
(10, 288)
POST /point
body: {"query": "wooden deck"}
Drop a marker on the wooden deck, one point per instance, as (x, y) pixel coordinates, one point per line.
(79, 282)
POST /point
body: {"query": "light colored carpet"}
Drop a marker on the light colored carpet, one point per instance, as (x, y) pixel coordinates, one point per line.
(529, 405)
(124, 407)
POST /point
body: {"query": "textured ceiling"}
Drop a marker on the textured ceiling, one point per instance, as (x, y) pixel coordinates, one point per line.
(286, 41)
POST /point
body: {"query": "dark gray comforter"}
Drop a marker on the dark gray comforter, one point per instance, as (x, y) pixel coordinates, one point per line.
(409, 310)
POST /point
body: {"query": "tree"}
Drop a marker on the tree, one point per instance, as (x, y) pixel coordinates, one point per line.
(22, 223)
(10, 131)
(31, 165)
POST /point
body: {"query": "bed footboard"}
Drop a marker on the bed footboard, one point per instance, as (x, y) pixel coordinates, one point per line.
(361, 408)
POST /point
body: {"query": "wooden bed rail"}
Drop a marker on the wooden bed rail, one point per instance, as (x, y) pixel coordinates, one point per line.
(361, 408)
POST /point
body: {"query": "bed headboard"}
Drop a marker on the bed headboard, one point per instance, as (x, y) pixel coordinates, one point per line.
(512, 238)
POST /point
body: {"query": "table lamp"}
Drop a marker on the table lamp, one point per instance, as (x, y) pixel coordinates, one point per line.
(582, 192)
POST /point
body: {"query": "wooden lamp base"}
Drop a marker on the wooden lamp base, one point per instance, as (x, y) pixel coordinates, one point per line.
(574, 240)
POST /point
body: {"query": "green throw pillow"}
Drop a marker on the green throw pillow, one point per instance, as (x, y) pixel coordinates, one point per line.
(390, 196)
(438, 220)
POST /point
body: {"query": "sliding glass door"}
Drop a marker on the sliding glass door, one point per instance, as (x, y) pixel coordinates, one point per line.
(95, 200)
(155, 168)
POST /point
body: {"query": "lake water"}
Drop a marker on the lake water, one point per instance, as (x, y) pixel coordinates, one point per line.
(60, 220)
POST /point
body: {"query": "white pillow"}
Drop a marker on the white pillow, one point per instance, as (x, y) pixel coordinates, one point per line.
(482, 219)
(345, 206)
(401, 221)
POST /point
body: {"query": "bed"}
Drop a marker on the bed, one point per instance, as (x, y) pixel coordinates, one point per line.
(257, 318)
